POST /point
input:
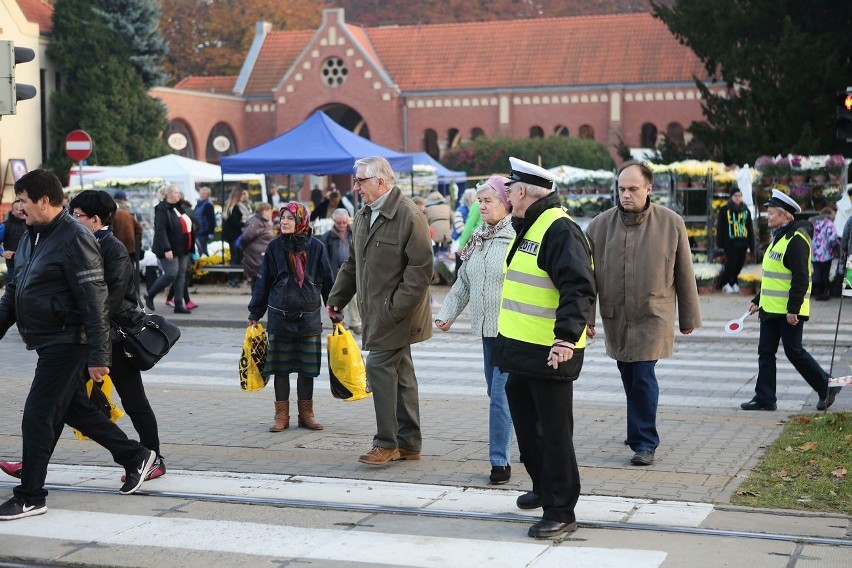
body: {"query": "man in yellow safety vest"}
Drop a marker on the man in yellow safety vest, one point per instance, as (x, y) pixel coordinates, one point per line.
(547, 301)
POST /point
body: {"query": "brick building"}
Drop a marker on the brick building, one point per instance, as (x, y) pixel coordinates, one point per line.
(414, 88)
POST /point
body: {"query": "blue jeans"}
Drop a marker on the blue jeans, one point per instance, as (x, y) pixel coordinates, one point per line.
(640, 386)
(499, 417)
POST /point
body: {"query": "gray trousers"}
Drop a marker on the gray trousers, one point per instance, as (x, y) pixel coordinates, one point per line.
(390, 375)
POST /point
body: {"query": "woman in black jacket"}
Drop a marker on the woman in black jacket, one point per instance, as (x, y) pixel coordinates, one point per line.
(15, 227)
(294, 282)
(173, 246)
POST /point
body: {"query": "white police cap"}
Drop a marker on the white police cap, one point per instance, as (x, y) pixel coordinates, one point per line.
(530, 173)
(784, 201)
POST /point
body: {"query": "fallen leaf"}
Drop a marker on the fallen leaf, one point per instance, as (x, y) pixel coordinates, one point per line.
(808, 446)
(782, 473)
(813, 461)
(804, 420)
(839, 472)
(745, 493)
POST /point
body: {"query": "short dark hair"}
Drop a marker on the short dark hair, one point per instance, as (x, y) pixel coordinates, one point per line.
(41, 183)
(643, 167)
(95, 202)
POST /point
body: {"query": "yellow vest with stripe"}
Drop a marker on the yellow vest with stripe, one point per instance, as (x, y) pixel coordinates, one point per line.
(529, 301)
(777, 278)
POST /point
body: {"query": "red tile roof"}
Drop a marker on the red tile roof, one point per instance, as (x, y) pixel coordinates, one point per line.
(39, 13)
(280, 50)
(219, 84)
(582, 50)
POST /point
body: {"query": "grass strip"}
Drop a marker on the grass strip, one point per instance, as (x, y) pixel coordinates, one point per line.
(806, 467)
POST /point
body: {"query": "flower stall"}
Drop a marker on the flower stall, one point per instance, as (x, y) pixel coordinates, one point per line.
(814, 182)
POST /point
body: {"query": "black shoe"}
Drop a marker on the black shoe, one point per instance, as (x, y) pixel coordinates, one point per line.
(500, 474)
(642, 458)
(149, 302)
(754, 405)
(528, 500)
(17, 508)
(551, 529)
(826, 402)
(182, 310)
(135, 474)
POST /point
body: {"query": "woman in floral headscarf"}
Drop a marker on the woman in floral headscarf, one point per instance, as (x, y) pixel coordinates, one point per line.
(294, 282)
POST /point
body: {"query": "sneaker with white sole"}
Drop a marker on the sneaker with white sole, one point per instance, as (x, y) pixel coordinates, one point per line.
(136, 473)
(17, 508)
(735, 288)
(157, 470)
(727, 289)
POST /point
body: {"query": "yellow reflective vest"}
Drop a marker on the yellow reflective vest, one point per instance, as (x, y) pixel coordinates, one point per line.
(777, 278)
(529, 301)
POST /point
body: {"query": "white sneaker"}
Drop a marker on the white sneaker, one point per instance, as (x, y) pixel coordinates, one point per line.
(736, 288)
(727, 289)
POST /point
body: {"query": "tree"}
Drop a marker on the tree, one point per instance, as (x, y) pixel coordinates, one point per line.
(485, 156)
(138, 22)
(100, 91)
(781, 61)
(212, 37)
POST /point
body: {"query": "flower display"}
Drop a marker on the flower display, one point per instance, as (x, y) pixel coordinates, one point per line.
(783, 168)
(706, 272)
(834, 165)
(766, 165)
(587, 206)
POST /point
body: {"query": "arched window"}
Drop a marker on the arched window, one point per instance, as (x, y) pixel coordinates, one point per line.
(430, 143)
(179, 137)
(536, 132)
(648, 136)
(560, 130)
(587, 132)
(453, 138)
(220, 143)
(476, 132)
(674, 131)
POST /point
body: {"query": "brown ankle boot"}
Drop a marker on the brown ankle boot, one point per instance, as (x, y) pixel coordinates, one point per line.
(306, 416)
(282, 416)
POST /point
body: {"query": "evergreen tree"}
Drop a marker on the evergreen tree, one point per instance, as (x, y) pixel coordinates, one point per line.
(100, 91)
(782, 61)
(138, 21)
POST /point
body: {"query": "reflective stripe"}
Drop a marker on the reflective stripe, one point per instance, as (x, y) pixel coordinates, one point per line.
(780, 294)
(90, 275)
(529, 309)
(779, 275)
(529, 279)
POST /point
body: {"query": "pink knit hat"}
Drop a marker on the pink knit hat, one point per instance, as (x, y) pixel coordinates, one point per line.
(498, 184)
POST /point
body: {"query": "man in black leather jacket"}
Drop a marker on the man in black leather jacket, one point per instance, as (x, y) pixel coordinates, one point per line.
(58, 297)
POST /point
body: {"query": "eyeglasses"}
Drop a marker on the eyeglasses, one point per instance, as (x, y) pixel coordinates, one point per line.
(356, 181)
(80, 216)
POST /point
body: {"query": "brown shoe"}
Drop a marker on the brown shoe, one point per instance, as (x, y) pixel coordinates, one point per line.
(379, 456)
(408, 454)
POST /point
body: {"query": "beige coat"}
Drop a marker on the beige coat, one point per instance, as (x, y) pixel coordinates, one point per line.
(643, 267)
(390, 268)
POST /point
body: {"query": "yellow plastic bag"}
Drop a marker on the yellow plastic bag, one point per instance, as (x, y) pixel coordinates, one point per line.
(253, 359)
(102, 398)
(346, 369)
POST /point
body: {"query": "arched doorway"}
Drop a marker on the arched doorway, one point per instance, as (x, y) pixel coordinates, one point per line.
(348, 118)
(178, 135)
(220, 143)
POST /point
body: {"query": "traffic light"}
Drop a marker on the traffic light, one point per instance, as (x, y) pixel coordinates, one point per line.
(10, 91)
(844, 115)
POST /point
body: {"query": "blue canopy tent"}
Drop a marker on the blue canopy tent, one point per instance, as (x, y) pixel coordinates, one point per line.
(317, 146)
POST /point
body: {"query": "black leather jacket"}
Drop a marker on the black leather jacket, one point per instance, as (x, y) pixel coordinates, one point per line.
(58, 295)
(122, 306)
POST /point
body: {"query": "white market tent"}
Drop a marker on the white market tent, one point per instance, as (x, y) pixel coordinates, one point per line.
(172, 169)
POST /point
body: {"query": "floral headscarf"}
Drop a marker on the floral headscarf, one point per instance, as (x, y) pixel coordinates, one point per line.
(295, 244)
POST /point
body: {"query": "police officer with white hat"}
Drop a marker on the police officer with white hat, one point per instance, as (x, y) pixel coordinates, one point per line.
(784, 304)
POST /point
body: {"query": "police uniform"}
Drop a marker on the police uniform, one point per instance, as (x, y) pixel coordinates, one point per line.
(786, 289)
(548, 294)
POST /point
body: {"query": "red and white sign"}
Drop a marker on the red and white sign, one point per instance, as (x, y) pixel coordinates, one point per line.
(78, 145)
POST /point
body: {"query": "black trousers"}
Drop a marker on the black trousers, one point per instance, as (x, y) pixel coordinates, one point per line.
(734, 262)
(128, 384)
(543, 414)
(773, 330)
(57, 396)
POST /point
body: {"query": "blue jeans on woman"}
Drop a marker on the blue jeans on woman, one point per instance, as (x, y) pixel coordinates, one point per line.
(643, 394)
(499, 417)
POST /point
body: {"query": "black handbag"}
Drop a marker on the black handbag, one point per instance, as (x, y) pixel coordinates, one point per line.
(150, 344)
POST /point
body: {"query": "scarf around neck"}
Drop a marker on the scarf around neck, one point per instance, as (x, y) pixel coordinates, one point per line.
(482, 234)
(296, 244)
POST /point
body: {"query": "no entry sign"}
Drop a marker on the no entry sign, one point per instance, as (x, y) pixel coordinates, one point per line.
(78, 145)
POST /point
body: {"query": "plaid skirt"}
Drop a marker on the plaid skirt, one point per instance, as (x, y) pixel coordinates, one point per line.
(288, 354)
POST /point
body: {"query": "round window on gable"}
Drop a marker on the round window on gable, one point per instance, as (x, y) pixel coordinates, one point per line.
(334, 71)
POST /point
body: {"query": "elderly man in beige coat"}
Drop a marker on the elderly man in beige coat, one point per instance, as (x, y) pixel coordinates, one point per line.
(643, 267)
(390, 268)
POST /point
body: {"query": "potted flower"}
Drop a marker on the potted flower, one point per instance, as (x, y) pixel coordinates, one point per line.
(834, 167)
(801, 194)
(783, 170)
(797, 165)
(749, 283)
(706, 276)
(766, 166)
